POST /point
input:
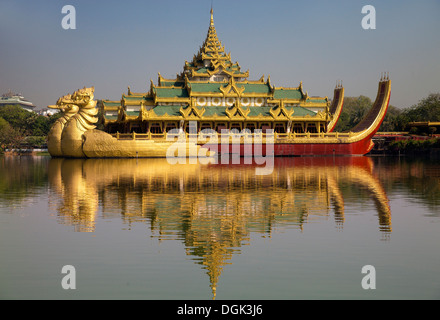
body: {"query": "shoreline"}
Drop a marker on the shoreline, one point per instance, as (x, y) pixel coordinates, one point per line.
(433, 152)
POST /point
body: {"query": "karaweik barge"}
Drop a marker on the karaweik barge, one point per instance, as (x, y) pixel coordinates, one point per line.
(213, 93)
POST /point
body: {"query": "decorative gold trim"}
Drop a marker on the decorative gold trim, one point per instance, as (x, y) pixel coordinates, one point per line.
(374, 126)
(192, 112)
(236, 108)
(334, 116)
(232, 86)
(281, 113)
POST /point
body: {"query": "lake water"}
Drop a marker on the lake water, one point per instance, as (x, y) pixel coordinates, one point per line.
(146, 229)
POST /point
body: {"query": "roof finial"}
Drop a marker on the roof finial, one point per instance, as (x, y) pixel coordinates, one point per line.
(212, 15)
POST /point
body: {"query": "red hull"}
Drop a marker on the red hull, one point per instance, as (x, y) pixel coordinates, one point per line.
(320, 149)
(298, 149)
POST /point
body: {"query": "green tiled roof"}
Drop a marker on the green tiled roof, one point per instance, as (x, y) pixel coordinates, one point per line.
(111, 103)
(255, 87)
(201, 70)
(288, 94)
(171, 92)
(215, 87)
(221, 111)
(256, 111)
(172, 83)
(132, 113)
(170, 110)
(301, 111)
(206, 87)
(319, 100)
(211, 110)
(135, 99)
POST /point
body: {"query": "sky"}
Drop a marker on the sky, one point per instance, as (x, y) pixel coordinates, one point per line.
(117, 44)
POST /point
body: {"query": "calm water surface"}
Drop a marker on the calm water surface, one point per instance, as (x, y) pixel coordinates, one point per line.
(145, 229)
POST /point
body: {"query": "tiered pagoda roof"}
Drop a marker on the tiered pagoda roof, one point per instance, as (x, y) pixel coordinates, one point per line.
(214, 84)
(212, 59)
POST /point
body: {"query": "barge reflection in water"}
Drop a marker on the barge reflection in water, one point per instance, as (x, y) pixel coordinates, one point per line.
(212, 209)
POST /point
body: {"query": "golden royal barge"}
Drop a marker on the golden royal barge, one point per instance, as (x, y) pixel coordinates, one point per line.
(214, 95)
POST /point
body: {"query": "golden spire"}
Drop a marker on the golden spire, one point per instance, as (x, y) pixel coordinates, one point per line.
(212, 56)
(212, 43)
(212, 17)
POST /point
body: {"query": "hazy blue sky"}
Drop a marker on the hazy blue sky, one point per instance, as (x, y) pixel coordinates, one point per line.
(126, 43)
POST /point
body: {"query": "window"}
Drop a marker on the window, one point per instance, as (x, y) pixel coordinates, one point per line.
(191, 128)
(250, 127)
(236, 125)
(170, 126)
(298, 128)
(311, 127)
(155, 128)
(265, 126)
(135, 128)
(205, 125)
(220, 126)
(280, 128)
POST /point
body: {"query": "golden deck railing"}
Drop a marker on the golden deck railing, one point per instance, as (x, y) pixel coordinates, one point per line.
(234, 137)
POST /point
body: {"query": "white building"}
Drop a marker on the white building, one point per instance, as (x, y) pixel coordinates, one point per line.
(11, 98)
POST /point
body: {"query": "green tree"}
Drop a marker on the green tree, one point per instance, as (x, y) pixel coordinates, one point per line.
(3, 123)
(30, 123)
(38, 125)
(10, 137)
(390, 122)
(354, 110)
(16, 116)
(428, 109)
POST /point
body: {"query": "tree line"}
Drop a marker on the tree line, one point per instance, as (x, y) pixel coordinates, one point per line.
(396, 119)
(21, 129)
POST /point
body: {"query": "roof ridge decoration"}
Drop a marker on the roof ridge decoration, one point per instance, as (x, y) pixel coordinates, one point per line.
(193, 111)
(232, 86)
(237, 111)
(281, 111)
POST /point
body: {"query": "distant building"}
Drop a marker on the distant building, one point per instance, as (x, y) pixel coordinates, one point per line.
(426, 127)
(11, 98)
